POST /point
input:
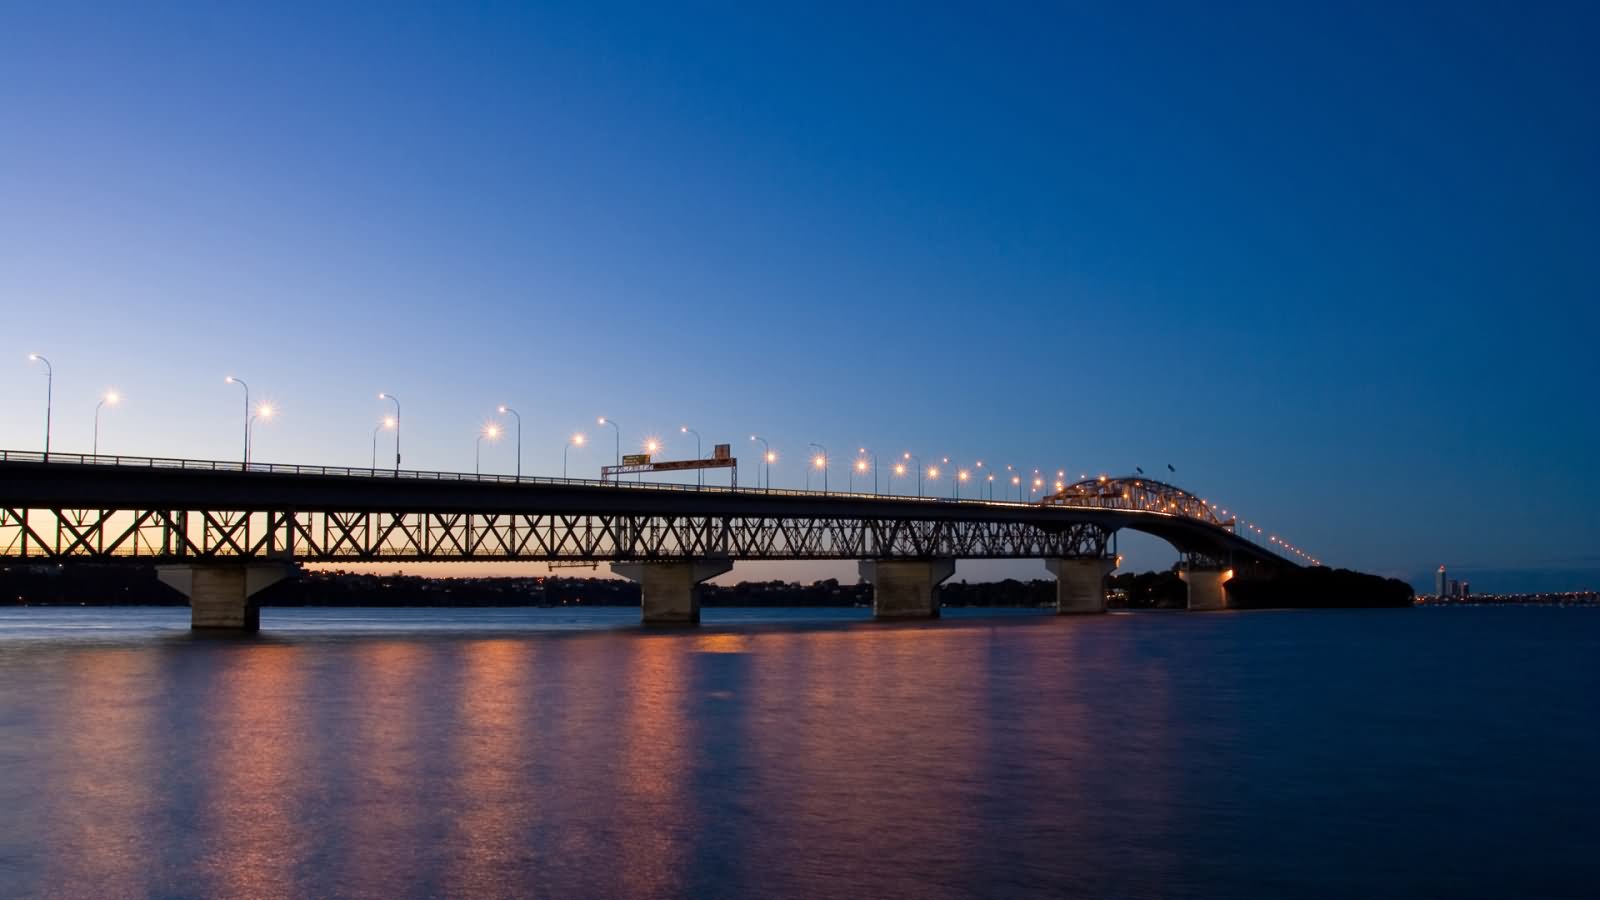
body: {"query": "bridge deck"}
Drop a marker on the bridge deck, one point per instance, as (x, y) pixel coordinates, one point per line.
(109, 507)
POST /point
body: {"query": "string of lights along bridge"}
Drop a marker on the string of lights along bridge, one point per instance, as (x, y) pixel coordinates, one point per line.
(907, 470)
(221, 532)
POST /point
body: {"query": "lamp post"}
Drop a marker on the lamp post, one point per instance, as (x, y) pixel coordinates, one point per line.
(766, 459)
(111, 398)
(918, 461)
(605, 421)
(700, 474)
(49, 397)
(861, 466)
(396, 401)
(240, 382)
(490, 431)
(388, 422)
(506, 409)
(651, 448)
(822, 463)
(264, 411)
(574, 441)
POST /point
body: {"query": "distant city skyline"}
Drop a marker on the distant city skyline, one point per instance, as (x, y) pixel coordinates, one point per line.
(1228, 240)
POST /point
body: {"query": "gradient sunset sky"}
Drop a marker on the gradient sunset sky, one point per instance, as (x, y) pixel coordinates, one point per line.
(1337, 264)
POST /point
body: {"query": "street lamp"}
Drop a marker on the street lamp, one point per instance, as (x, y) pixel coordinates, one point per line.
(766, 458)
(240, 382)
(396, 401)
(490, 431)
(1017, 481)
(700, 475)
(574, 441)
(388, 422)
(605, 421)
(651, 447)
(960, 479)
(112, 398)
(918, 461)
(49, 397)
(861, 466)
(821, 462)
(506, 409)
(264, 411)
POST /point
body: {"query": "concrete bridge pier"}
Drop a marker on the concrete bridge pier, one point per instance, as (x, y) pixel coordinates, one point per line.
(1081, 584)
(669, 592)
(906, 588)
(1208, 588)
(221, 595)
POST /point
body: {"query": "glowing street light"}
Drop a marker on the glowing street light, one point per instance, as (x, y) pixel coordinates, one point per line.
(700, 474)
(240, 382)
(821, 462)
(767, 458)
(918, 461)
(263, 412)
(504, 410)
(49, 397)
(960, 479)
(490, 431)
(396, 401)
(861, 466)
(388, 422)
(605, 421)
(576, 440)
(112, 398)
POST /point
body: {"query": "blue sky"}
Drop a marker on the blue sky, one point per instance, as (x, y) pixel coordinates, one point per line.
(1335, 264)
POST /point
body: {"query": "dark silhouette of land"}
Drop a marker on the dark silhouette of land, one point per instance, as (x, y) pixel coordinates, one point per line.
(130, 585)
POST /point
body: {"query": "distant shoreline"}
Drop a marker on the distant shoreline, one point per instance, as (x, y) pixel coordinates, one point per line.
(126, 585)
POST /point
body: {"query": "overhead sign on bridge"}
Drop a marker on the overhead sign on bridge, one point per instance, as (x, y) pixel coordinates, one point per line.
(640, 463)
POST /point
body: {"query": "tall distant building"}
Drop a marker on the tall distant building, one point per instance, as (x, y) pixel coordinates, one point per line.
(1441, 584)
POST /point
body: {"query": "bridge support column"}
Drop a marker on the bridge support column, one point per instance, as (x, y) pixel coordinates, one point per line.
(221, 594)
(1081, 584)
(906, 588)
(669, 592)
(1208, 588)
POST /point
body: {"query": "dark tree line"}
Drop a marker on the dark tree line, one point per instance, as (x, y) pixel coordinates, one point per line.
(127, 585)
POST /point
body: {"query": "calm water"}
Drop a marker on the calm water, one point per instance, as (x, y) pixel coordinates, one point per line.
(546, 753)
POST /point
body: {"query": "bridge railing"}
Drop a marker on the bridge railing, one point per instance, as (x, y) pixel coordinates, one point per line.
(205, 465)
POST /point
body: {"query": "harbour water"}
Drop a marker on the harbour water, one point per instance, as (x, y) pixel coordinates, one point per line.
(803, 753)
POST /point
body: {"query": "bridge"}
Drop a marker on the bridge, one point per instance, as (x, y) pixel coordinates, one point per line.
(220, 532)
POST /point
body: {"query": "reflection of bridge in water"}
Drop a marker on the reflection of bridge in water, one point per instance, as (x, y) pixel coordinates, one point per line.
(221, 533)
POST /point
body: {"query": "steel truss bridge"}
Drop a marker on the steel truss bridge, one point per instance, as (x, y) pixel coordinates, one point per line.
(110, 509)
